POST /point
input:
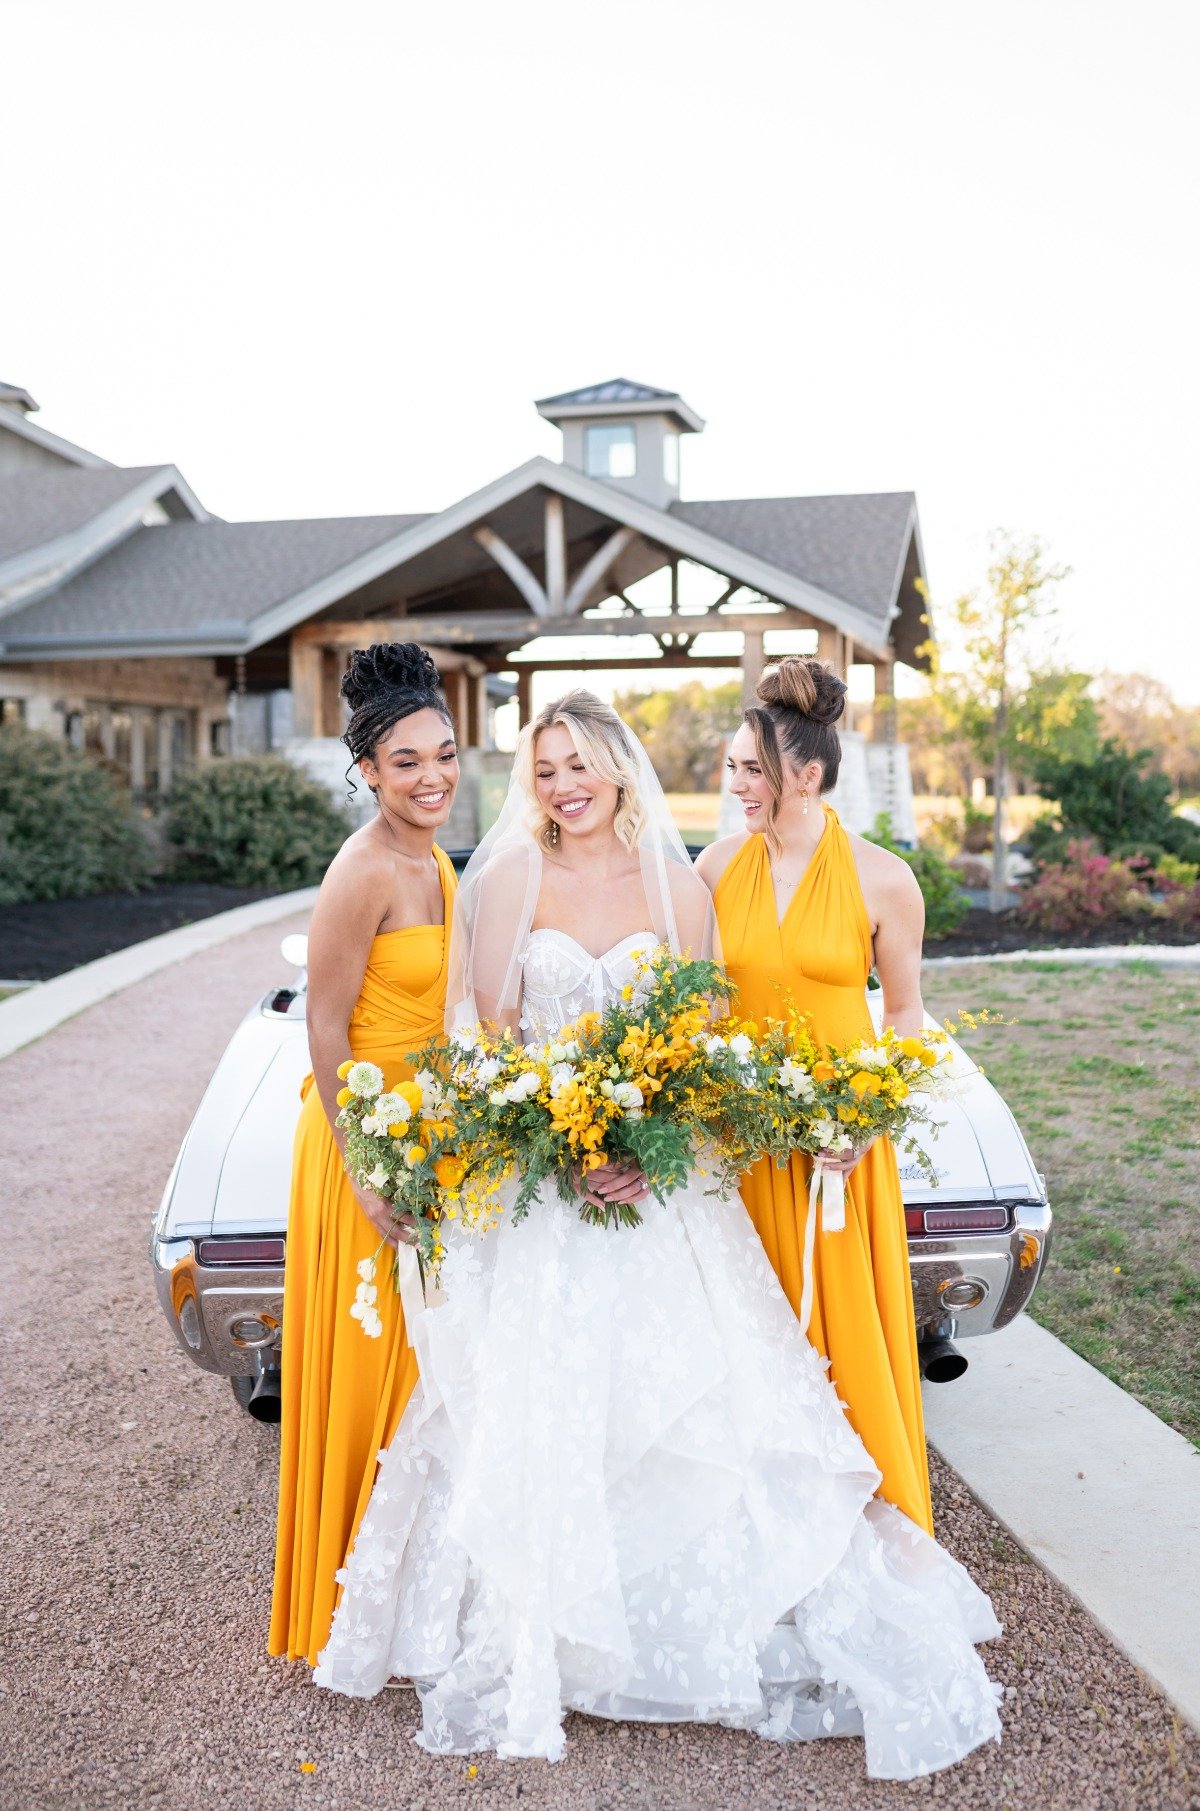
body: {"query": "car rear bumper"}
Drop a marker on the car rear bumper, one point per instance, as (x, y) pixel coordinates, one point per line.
(970, 1283)
(229, 1319)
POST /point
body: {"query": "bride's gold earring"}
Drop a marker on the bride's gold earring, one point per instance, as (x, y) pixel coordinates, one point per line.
(804, 806)
(553, 834)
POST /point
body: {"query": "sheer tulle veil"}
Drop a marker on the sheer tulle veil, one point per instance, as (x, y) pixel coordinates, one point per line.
(497, 896)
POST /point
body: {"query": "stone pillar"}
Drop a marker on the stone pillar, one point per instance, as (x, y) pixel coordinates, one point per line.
(752, 664)
(304, 664)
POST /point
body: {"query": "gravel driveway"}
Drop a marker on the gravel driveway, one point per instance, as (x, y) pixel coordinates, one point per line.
(137, 1512)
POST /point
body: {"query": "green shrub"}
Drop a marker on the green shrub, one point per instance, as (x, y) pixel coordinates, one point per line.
(255, 821)
(1176, 872)
(1114, 800)
(945, 903)
(67, 828)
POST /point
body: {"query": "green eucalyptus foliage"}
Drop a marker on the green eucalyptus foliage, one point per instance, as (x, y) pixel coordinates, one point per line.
(67, 828)
(253, 821)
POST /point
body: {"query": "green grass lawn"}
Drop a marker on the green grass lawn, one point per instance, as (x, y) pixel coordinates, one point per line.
(1102, 1070)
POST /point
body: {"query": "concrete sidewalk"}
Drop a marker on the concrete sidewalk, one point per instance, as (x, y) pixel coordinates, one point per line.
(1102, 1493)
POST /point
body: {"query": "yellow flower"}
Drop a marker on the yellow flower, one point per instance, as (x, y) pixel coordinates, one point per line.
(415, 1154)
(847, 1115)
(927, 1058)
(409, 1091)
(449, 1170)
(398, 1130)
(344, 1096)
(865, 1082)
(345, 1068)
(912, 1047)
(308, 1766)
(823, 1072)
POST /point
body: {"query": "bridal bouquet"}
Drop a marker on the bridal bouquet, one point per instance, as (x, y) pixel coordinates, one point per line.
(647, 1082)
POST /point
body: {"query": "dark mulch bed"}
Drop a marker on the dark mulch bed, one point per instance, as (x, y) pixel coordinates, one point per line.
(46, 939)
(984, 933)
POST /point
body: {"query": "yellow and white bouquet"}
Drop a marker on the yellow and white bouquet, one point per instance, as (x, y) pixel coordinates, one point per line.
(820, 1098)
(645, 1082)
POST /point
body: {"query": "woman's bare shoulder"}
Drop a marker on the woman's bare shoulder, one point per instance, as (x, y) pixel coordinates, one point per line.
(712, 862)
(361, 870)
(886, 874)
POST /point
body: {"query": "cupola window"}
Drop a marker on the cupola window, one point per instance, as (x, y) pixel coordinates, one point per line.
(610, 451)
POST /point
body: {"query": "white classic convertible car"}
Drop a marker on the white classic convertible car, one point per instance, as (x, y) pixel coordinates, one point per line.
(977, 1241)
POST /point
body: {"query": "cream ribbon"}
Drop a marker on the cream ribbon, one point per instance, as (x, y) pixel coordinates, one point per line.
(828, 1190)
(411, 1287)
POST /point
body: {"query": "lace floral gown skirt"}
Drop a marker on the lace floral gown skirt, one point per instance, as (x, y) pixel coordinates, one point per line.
(624, 1485)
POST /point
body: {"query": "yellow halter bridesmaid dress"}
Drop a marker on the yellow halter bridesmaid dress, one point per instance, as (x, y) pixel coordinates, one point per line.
(343, 1393)
(862, 1315)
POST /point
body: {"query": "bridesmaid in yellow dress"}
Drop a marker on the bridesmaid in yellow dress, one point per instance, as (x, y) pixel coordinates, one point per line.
(376, 990)
(804, 911)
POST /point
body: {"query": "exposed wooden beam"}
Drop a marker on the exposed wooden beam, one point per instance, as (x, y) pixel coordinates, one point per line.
(752, 664)
(556, 556)
(590, 575)
(650, 663)
(517, 570)
(304, 679)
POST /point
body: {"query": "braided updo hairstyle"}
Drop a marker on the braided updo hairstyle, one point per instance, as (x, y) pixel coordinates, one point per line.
(800, 700)
(383, 684)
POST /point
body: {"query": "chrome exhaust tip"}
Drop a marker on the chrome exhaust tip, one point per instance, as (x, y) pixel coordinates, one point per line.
(264, 1401)
(940, 1360)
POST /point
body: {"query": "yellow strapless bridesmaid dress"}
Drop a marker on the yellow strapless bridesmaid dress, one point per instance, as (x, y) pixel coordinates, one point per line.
(862, 1317)
(343, 1394)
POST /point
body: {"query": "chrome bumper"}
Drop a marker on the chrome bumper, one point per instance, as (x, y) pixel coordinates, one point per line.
(213, 1312)
(227, 1320)
(993, 1274)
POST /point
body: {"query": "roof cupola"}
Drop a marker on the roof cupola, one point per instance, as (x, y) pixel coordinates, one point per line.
(624, 433)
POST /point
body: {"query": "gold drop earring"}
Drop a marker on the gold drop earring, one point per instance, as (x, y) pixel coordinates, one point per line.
(553, 834)
(804, 805)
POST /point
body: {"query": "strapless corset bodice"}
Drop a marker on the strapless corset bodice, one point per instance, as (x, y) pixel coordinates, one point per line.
(562, 979)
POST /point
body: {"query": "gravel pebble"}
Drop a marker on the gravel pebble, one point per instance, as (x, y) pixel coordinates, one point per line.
(138, 1510)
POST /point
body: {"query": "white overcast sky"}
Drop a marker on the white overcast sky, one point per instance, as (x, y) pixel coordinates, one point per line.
(323, 257)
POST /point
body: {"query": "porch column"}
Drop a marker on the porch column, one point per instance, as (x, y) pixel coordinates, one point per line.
(524, 696)
(304, 677)
(477, 710)
(752, 664)
(836, 648)
(332, 668)
(883, 711)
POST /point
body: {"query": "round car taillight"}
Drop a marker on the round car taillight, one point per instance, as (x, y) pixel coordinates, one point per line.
(253, 1330)
(966, 1292)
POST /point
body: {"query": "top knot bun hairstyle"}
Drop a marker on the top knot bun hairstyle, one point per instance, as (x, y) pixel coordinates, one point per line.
(801, 698)
(383, 684)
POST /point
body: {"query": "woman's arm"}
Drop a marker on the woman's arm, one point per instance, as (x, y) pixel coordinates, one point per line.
(350, 907)
(900, 926)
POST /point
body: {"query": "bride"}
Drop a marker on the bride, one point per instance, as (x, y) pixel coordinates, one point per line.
(624, 1484)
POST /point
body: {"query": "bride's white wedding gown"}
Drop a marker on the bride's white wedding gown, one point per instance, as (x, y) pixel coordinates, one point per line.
(624, 1485)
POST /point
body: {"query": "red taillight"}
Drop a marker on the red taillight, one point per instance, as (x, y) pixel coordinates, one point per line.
(956, 1219)
(240, 1253)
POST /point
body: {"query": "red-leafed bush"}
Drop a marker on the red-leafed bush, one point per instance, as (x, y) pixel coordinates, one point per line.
(1088, 888)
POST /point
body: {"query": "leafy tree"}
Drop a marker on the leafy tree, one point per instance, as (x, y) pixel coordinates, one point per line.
(1000, 690)
(683, 730)
(1113, 798)
(941, 888)
(1141, 712)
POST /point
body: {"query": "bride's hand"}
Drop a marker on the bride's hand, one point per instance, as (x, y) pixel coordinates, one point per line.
(395, 1228)
(616, 1182)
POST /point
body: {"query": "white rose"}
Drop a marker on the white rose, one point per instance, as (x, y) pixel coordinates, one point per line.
(365, 1078)
(741, 1046)
(524, 1087)
(629, 1097)
(487, 1071)
(561, 1076)
(374, 1128)
(715, 1046)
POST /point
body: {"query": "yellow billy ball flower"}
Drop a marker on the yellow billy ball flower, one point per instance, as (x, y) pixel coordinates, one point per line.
(415, 1154)
(410, 1092)
(912, 1047)
(397, 1131)
(343, 1096)
(928, 1058)
(345, 1068)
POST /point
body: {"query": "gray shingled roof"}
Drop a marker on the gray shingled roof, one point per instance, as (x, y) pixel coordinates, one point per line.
(182, 576)
(853, 547)
(617, 389)
(39, 506)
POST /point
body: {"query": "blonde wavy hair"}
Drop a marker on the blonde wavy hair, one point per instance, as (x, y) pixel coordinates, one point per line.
(604, 747)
